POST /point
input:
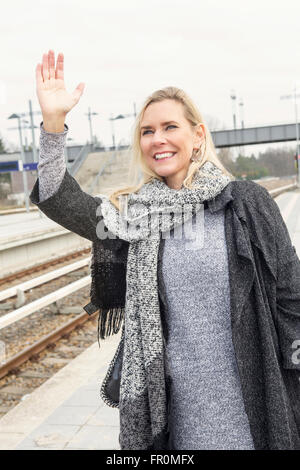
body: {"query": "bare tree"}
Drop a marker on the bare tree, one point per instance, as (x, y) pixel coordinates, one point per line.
(279, 162)
(226, 158)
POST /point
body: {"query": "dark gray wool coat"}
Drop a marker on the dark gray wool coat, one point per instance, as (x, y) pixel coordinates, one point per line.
(264, 272)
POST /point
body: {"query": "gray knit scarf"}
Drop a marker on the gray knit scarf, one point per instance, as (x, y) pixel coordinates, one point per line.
(152, 211)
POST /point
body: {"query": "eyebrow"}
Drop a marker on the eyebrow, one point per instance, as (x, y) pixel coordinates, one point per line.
(163, 123)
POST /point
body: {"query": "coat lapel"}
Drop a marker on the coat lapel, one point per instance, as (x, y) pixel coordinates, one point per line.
(241, 264)
(240, 258)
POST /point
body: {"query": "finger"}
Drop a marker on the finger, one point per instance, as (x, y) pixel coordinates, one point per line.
(38, 75)
(59, 73)
(45, 69)
(51, 59)
(78, 91)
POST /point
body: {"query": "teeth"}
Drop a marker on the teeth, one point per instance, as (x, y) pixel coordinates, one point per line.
(163, 155)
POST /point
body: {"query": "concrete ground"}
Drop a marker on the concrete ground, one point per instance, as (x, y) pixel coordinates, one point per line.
(289, 205)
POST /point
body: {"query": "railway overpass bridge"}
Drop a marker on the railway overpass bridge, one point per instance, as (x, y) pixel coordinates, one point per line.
(255, 135)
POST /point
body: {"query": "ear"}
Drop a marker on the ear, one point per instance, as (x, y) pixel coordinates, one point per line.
(199, 135)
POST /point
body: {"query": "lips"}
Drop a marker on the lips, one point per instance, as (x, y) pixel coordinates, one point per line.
(163, 156)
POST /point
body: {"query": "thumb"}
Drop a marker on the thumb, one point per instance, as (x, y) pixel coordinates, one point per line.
(78, 91)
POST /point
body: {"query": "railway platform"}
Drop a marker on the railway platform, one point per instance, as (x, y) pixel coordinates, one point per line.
(67, 412)
(27, 239)
(289, 206)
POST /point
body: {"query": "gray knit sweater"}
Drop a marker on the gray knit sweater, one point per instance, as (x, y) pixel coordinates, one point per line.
(206, 403)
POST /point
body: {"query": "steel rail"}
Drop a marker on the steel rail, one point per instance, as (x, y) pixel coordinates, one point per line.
(37, 281)
(48, 299)
(45, 265)
(42, 344)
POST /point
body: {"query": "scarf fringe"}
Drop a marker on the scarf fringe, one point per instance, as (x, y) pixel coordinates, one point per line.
(109, 322)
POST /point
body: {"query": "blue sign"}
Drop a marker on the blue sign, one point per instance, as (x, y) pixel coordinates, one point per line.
(30, 166)
(16, 165)
(6, 167)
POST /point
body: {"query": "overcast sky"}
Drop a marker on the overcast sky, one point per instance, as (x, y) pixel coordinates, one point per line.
(125, 49)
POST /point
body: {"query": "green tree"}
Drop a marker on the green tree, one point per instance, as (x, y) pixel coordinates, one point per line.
(279, 161)
(249, 168)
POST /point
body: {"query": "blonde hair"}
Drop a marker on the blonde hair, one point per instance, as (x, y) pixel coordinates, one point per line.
(140, 173)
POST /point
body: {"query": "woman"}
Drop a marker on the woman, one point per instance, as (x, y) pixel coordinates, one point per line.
(210, 301)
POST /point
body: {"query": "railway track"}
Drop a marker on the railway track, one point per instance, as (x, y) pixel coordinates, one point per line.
(25, 273)
(38, 345)
(30, 368)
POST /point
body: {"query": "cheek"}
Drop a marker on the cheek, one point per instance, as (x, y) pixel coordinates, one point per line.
(188, 148)
(146, 151)
(184, 143)
(144, 146)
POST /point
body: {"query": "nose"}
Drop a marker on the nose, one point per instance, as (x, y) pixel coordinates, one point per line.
(158, 137)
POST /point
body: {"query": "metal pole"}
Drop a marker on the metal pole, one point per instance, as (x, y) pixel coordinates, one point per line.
(242, 150)
(134, 110)
(35, 159)
(24, 174)
(297, 135)
(66, 157)
(91, 131)
(112, 130)
(242, 113)
(233, 97)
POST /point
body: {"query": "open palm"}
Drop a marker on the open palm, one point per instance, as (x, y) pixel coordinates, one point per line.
(52, 95)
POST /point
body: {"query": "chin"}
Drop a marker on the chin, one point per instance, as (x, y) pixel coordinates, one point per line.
(164, 174)
(165, 171)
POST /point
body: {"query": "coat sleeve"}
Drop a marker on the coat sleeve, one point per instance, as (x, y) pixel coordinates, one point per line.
(72, 208)
(287, 293)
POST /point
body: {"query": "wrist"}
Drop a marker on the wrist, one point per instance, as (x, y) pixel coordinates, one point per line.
(54, 124)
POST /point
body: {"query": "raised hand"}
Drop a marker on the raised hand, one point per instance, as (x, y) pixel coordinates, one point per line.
(55, 101)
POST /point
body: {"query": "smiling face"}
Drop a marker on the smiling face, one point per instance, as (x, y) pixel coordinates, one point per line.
(167, 141)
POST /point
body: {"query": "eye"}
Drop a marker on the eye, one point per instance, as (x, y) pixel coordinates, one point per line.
(145, 132)
(148, 130)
